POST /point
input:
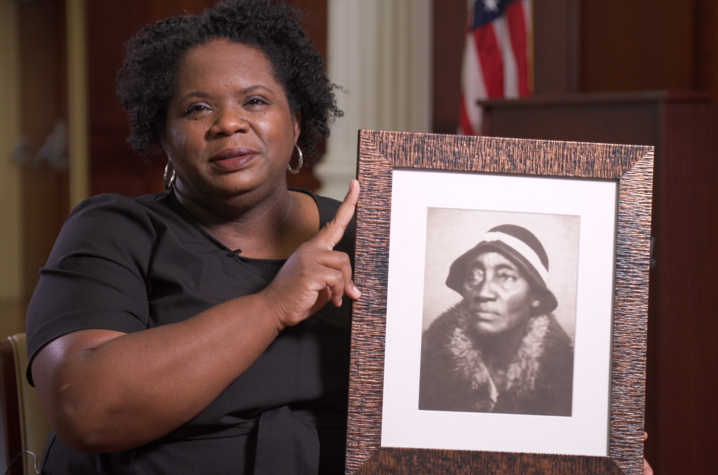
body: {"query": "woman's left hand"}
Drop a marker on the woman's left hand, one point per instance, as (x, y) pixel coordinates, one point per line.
(647, 470)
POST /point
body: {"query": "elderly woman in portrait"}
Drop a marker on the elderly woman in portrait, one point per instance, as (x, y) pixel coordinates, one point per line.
(203, 329)
(500, 349)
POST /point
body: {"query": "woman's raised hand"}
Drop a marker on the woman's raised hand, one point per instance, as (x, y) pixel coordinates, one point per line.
(647, 470)
(315, 273)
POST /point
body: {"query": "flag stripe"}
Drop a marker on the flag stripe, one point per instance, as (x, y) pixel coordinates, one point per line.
(528, 18)
(472, 82)
(503, 40)
(489, 56)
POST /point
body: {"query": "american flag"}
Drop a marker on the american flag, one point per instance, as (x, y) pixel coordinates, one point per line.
(497, 56)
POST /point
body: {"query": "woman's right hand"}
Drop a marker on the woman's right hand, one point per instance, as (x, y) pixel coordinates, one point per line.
(315, 274)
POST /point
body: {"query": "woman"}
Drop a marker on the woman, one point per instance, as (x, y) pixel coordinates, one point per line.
(500, 349)
(204, 329)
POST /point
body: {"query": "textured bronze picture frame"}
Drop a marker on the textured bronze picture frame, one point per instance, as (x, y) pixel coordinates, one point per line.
(379, 154)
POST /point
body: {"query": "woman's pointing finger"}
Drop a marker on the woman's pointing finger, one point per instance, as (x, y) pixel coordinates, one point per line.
(330, 235)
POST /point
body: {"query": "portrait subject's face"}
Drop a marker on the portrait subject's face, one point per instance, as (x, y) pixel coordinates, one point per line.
(498, 296)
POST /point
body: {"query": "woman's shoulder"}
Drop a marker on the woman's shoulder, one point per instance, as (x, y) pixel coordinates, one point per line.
(327, 209)
(125, 213)
(327, 206)
(111, 223)
(111, 203)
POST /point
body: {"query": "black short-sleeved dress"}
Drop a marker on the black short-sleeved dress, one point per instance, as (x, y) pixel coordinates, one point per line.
(128, 264)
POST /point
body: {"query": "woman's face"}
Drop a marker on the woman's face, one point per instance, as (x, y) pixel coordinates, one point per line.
(499, 298)
(229, 129)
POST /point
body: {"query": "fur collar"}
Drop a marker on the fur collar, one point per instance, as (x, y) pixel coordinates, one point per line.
(521, 373)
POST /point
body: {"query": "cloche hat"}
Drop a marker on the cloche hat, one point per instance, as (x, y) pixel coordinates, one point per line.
(519, 245)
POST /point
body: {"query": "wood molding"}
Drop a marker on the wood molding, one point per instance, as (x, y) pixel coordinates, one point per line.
(78, 125)
(10, 177)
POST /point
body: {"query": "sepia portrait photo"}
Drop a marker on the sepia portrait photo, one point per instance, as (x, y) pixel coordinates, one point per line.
(499, 312)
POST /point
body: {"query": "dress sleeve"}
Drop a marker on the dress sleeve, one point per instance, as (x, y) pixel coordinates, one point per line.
(95, 277)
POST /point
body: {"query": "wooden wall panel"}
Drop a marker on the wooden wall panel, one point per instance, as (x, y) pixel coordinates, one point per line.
(556, 46)
(449, 23)
(682, 413)
(637, 45)
(706, 55)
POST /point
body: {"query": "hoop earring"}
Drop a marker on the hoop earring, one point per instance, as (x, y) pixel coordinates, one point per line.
(169, 177)
(300, 162)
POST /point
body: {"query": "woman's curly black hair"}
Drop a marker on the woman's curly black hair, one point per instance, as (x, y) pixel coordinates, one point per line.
(147, 78)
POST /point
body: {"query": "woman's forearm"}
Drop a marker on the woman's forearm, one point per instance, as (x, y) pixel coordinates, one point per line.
(106, 391)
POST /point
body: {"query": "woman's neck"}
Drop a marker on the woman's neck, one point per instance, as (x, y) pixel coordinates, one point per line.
(270, 228)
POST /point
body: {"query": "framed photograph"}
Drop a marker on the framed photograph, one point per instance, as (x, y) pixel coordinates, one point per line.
(502, 324)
